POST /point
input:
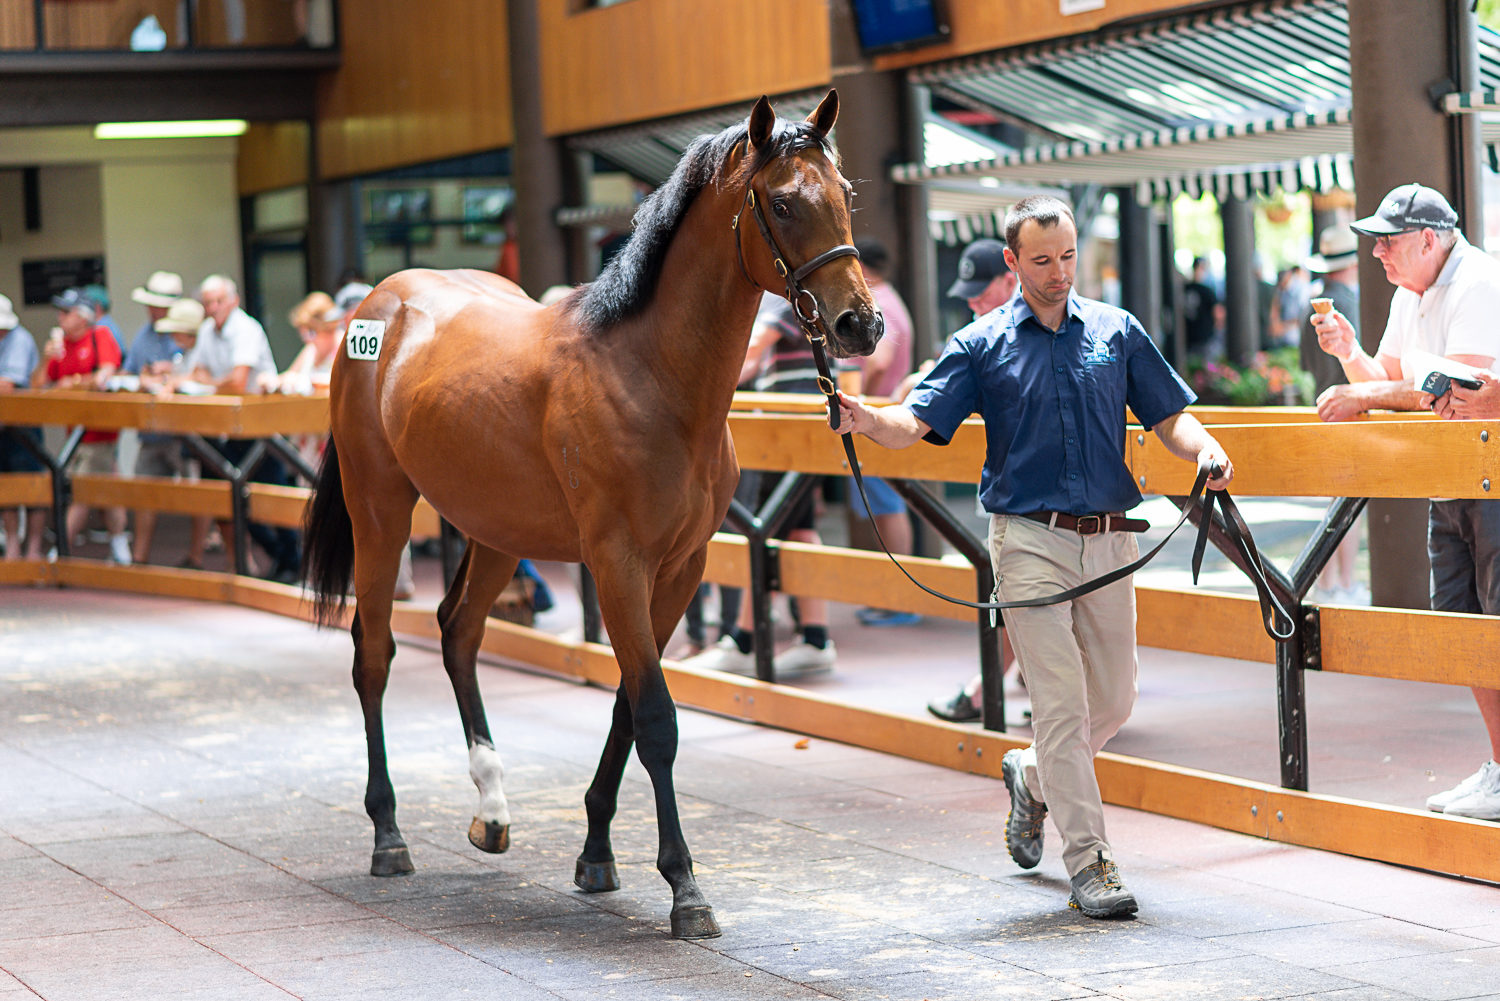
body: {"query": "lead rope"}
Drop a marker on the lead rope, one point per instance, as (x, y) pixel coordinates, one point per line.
(1238, 531)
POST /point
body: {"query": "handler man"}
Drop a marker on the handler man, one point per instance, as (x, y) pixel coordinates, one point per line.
(1052, 373)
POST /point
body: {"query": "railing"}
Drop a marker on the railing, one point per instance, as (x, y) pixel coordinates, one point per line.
(166, 25)
(1281, 453)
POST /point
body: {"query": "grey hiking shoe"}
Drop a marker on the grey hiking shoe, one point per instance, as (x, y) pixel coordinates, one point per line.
(1099, 892)
(1023, 825)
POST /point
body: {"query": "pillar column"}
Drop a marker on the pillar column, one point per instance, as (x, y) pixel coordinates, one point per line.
(1240, 300)
(538, 164)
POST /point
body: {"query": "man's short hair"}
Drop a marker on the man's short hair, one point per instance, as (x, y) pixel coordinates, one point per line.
(872, 254)
(1044, 210)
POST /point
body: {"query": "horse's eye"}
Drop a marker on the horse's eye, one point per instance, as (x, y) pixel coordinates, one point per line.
(781, 209)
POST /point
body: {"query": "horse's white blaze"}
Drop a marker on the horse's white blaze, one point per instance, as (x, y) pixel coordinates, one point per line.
(487, 772)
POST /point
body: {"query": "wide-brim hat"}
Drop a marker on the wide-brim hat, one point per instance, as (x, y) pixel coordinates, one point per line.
(1338, 248)
(184, 316)
(162, 289)
(8, 317)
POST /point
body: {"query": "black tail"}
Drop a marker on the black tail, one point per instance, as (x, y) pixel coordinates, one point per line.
(328, 542)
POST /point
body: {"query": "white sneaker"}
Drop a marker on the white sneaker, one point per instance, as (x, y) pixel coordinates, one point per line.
(724, 655)
(119, 549)
(1482, 802)
(803, 659)
(1438, 802)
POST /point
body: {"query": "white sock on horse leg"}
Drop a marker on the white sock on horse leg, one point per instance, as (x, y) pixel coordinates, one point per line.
(487, 772)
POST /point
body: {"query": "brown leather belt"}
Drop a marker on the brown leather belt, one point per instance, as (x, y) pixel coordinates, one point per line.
(1089, 524)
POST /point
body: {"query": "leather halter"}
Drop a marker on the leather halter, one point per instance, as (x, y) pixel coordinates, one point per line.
(810, 319)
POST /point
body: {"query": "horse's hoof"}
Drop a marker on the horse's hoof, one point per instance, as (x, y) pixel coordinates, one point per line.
(394, 861)
(489, 836)
(596, 877)
(695, 922)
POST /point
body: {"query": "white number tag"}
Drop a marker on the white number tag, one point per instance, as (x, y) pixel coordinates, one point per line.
(363, 339)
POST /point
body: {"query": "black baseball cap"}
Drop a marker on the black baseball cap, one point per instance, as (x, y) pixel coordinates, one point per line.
(982, 262)
(1407, 208)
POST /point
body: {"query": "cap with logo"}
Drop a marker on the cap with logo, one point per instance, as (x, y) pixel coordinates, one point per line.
(8, 318)
(184, 316)
(982, 262)
(162, 289)
(1408, 207)
(1338, 248)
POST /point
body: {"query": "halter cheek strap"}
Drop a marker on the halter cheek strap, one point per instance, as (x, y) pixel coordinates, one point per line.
(808, 316)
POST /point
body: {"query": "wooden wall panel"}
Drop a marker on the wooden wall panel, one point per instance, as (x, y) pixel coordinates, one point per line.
(17, 26)
(272, 155)
(636, 61)
(419, 82)
(981, 27)
(102, 24)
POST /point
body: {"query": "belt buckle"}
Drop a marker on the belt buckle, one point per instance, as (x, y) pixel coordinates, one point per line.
(1083, 519)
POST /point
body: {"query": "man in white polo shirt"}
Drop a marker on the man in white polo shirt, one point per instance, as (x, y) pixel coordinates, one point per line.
(1447, 303)
(232, 352)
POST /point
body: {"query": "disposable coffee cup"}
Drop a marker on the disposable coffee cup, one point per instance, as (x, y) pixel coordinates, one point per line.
(1322, 305)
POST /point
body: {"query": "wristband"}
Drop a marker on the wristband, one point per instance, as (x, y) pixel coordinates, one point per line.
(1353, 350)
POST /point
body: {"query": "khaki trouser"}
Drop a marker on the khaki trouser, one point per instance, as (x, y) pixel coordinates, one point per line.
(1078, 659)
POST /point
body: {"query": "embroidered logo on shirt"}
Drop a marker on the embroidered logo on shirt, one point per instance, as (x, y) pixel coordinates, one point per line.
(1098, 352)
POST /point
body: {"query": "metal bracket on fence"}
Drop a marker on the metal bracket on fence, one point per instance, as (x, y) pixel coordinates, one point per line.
(760, 528)
(62, 483)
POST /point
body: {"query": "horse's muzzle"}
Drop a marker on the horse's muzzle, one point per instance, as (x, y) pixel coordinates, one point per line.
(856, 332)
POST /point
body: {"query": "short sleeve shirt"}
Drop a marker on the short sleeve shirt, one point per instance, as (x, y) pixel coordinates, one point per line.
(148, 348)
(1053, 404)
(1458, 315)
(89, 353)
(242, 341)
(18, 357)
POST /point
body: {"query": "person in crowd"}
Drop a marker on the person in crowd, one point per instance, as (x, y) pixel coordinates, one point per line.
(320, 323)
(882, 371)
(1052, 374)
(780, 353)
(1337, 266)
(1288, 307)
(231, 355)
(179, 323)
(80, 354)
(153, 353)
(1198, 304)
(985, 282)
(18, 360)
(99, 296)
(1446, 300)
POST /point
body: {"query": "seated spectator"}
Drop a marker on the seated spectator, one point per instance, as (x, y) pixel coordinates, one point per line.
(18, 359)
(83, 355)
(321, 324)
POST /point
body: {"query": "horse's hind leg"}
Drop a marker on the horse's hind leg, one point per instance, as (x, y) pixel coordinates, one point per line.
(480, 578)
(380, 533)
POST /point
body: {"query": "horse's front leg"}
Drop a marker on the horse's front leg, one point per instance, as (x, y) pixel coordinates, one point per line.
(480, 578)
(639, 635)
(595, 871)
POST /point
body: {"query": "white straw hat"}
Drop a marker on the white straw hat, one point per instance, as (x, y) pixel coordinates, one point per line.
(162, 289)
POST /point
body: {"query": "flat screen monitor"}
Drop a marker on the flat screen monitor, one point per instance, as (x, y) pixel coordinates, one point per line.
(887, 25)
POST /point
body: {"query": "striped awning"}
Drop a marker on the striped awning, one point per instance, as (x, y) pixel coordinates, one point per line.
(1243, 99)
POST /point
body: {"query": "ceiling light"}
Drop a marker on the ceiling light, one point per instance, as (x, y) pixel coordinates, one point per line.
(170, 130)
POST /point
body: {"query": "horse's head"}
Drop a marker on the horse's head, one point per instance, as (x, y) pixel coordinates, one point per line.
(799, 203)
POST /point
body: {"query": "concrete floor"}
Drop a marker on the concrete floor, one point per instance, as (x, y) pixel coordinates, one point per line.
(181, 816)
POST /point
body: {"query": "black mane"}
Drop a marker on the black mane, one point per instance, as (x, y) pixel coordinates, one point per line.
(627, 283)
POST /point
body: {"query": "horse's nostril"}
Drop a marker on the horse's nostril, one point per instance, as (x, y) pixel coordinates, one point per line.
(852, 330)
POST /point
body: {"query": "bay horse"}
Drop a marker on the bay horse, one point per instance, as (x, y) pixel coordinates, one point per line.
(591, 431)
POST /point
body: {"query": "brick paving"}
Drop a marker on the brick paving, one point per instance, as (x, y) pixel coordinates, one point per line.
(180, 817)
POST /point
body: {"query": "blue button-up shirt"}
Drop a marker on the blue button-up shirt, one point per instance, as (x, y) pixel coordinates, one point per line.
(148, 348)
(1053, 404)
(18, 356)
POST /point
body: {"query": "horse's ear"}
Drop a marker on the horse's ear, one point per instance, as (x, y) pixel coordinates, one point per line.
(826, 113)
(762, 120)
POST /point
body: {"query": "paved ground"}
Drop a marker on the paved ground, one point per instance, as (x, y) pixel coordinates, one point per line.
(180, 816)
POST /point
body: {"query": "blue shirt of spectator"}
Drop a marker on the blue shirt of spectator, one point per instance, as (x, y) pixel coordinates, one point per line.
(1053, 404)
(148, 348)
(18, 357)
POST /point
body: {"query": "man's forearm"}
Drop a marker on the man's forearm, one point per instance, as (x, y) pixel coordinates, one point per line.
(1384, 394)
